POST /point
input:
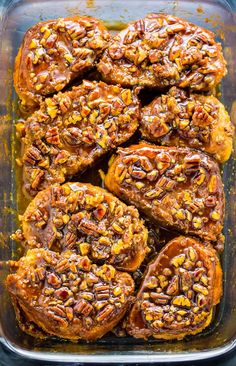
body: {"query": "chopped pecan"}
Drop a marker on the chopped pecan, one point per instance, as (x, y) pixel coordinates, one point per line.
(83, 307)
(105, 314)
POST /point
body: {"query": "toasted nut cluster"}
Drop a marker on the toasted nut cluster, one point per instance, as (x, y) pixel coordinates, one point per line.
(180, 188)
(182, 119)
(73, 129)
(88, 220)
(162, 50)
(55, 52)
(68, 296)
(178, 293)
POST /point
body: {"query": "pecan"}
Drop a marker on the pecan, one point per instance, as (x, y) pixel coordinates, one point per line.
(181, 301)
(70, 239)
(59, 319)
(192, 254)
(213, 184)
(88, 227)
(53, 280)
(201, 300)
(146, 165)
(152, 176)
(178, 260)
(102, 292)
(186, 281)
(62, 293)
(69, 313)
(116, 52)
(100, 212)
(62, 266)
(32, 156)
(58, 311)
(160, 298)
(62, 157)
(52, 136)
(201, 117)
(42, 146)
(173, 287)
(138, 174)
(130, 37)
(83, 307)
(105, 314)
(198, 273)
(84, 264)
(152, 282)
(37, 177)
(199, 288)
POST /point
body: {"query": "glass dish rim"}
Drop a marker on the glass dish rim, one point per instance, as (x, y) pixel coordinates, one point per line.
(119, 358)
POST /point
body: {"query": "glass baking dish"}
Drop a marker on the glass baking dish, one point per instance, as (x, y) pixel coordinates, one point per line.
(15, 18)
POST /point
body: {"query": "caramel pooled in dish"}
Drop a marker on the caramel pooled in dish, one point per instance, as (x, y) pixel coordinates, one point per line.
(163, 50)
(182, 119)
(178, 293)
(73, 129)
(88, 220)
(179, 188)
(68, 296)
(55, 52)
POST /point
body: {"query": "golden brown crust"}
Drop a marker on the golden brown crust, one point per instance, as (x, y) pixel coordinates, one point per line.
(162, 50)
(55, 52)
(88, 220)
(179, 188)
(67, 296)
(182, 119)
(73, 129)
(178, 293)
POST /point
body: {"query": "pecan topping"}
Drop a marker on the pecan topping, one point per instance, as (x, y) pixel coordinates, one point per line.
(185, 305)
(72, 130)
(184, 192)
(150, 52)
(192, 120)
(90, 221)
(55, 52)
(53, 287)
